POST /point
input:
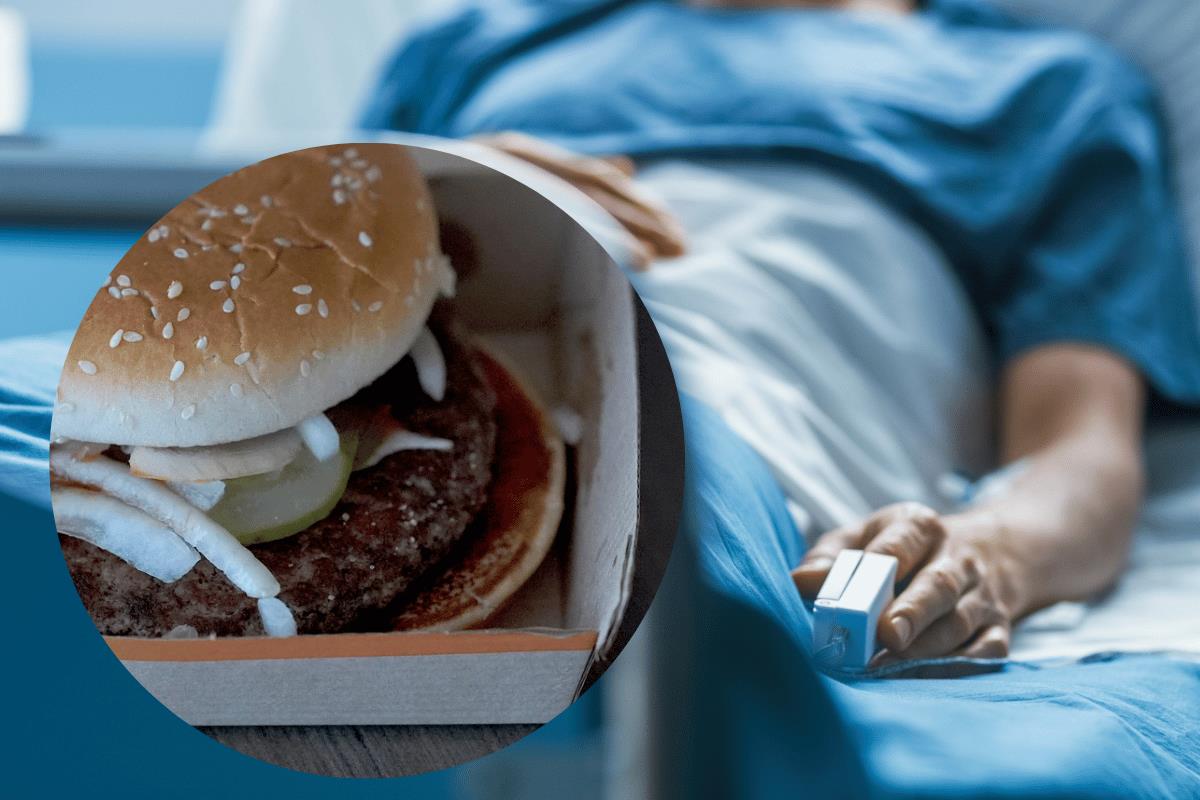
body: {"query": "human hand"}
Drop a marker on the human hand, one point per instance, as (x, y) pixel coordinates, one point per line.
(961, 597)
(654, 231)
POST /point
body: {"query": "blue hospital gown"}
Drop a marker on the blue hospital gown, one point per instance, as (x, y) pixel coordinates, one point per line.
(1035, 157)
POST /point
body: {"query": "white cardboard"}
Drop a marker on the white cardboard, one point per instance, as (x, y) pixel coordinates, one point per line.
(549, 298)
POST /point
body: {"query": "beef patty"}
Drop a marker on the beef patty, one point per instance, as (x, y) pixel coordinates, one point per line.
(395, 521)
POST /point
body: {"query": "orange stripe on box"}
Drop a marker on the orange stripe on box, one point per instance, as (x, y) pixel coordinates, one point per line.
(350, 645)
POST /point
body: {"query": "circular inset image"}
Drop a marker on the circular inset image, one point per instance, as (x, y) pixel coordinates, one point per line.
(353, 437)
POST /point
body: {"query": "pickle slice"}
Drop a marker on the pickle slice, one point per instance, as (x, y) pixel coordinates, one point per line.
(266, 508)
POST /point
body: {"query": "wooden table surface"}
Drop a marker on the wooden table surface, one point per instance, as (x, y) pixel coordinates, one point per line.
(381, 751)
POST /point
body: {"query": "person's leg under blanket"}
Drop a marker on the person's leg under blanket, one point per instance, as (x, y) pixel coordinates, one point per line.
(745, 714)
(760, 718)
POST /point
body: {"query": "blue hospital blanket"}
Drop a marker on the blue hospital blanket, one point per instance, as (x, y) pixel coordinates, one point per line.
(1034, 156)
(1112, 726)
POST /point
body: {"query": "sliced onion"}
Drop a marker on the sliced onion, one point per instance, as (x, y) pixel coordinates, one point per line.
(448, 278)
(431, 365)
(320, 437)
(570, 425)
(182, 632)
(202, 494)
(396, 441)
(219, 461)
(123, 531)
(276, 617)
(215, 543)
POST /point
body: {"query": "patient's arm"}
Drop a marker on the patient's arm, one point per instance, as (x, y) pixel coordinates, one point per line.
(1059, 531)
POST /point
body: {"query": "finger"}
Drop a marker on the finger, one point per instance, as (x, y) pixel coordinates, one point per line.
(811, 572)
(954, 629)
(640, 256)
(624, 164)
(607, 181)
(933, 593)
(912, 538)
(992, 642)
(654, 226)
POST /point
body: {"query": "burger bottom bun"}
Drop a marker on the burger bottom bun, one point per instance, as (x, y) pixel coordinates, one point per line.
(517, 525)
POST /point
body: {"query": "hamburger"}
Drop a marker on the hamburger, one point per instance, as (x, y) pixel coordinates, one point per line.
(270, 420)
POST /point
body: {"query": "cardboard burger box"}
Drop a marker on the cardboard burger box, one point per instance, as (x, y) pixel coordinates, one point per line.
(547, 297)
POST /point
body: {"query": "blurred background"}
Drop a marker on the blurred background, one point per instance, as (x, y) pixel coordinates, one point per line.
(94, 95)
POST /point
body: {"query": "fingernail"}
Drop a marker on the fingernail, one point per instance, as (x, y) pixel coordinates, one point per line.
(903, 629)
(817, 565)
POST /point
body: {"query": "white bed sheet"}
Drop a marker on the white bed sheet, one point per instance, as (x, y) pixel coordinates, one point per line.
(831, 334)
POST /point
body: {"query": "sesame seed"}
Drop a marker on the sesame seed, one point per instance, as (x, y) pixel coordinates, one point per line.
(235, 248)
(107, 281)
(282, 242)
(180, 252)
(302, 288)
(337, 179)
(266, 201)
(360, 163)
(241, 210)
(132, 336)
(235, 389)
(128, 292)
(378, 304)
(202, 343)
(216, 212)
(206, 225)
(374, 174)
(303, 308)
(168, 330)
(364, 238)
(227, 306)
(216, 286)
(355, 184)
(242, 358)
(87, 367)
(188, 412)
(323, 308)
(154, 236)
(248, 220)
(305, 368)
(339, 197)
(154, 311)
(239, 267)
(335, 161)
(350, 152)
(115, 292)
(235, 282)
(163, 230)
(318, 355)
(116, 338)
(183, 314)
(176, 370)
(356, 305)
(123, 280)
(206, 247)
(174, 290)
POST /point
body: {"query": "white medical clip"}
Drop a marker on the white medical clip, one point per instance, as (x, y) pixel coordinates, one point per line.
(856, 590)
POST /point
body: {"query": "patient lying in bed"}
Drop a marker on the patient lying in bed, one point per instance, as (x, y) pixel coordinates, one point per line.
(782, 168)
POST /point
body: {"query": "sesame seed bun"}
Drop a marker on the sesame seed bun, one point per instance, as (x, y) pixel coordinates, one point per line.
(516, 528)
(271, 295)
